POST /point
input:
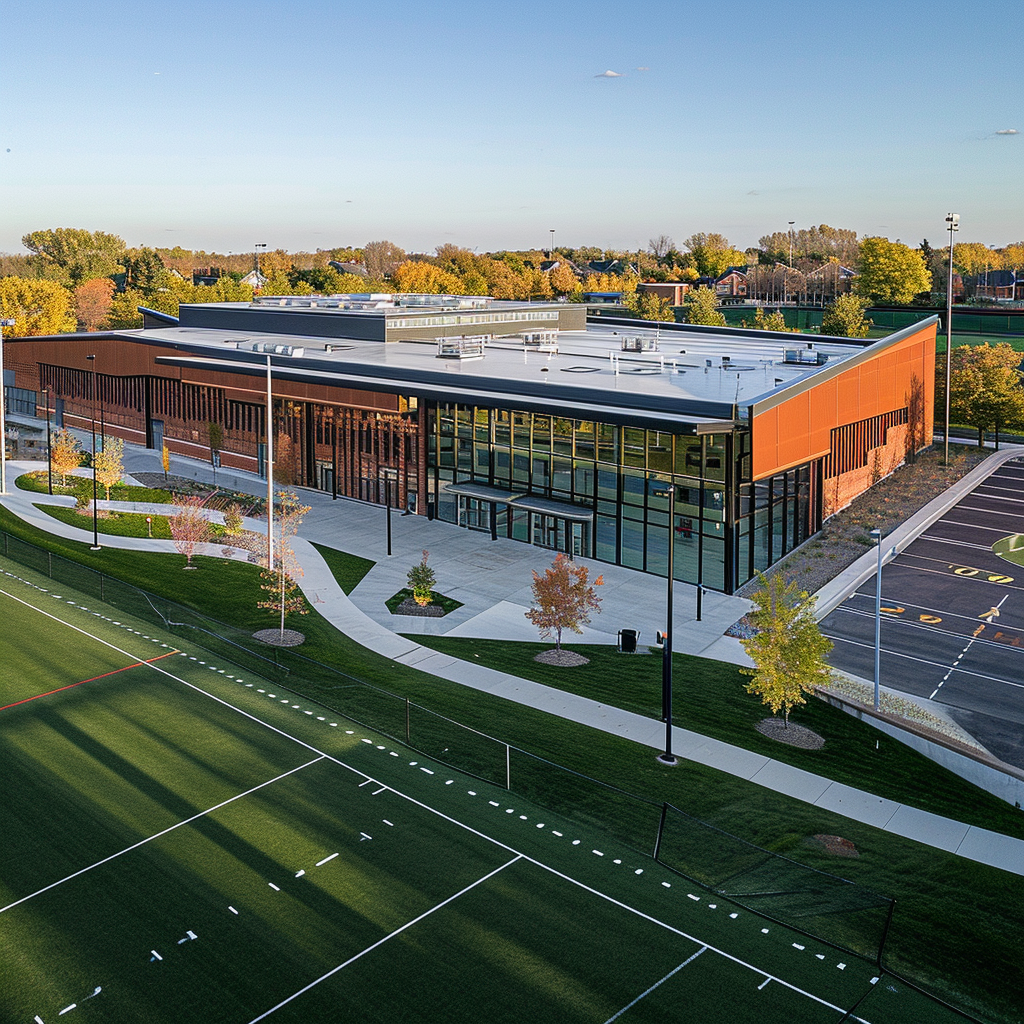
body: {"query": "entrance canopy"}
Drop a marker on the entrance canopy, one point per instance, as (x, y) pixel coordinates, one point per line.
(526, 502)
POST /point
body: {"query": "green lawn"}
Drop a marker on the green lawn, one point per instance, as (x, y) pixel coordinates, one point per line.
(347, 569)
(119, 524)
(944, 904)
(185, 852)
(709, 699)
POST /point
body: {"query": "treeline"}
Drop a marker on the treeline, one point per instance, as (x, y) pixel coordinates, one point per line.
(90, 280)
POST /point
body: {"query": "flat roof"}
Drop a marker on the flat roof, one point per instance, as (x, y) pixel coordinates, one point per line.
(685, 373)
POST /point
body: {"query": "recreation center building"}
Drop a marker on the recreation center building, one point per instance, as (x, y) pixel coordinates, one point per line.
(521, 419)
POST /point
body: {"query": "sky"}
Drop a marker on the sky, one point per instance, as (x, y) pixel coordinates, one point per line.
(317, 124)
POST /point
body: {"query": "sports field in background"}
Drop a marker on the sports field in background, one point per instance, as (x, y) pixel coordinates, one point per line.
(184, 841)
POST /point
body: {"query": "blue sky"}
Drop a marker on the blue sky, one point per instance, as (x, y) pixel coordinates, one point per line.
(315, 124)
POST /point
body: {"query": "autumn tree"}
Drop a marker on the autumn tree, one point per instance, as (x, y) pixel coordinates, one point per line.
(425, 278)
(92, 302)
(563, 279)
(788, 649)
(109, 462)
(712, 254)
(37, 307)
(985, 387)
(649, 306)
(701, 306)
(65, 454)
(144, 270)
(890, 272)
(774, 321)
(73, 255)
(661, 246)
(381, 258)
(280, 578)
(845, 318)
(189, 526)
(563, 598)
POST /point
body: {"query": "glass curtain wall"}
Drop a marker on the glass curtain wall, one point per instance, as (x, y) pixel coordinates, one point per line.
(620, 472)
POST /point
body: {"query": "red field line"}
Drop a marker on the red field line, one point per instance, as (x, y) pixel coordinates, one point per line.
(82, 682)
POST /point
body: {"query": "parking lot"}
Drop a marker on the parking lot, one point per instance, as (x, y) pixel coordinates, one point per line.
(952, 616)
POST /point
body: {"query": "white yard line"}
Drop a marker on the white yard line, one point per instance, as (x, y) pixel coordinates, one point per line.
(661, 981)
(157, 835)
(380, 942)
(437, 813)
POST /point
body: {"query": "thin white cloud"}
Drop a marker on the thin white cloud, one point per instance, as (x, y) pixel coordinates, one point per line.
(1007, 131)
(609, 74)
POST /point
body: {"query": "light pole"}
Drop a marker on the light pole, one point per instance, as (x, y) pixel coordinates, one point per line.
(3, 411)
(388, 474)
(49, 451)
(552, 230)
(667, 757)
(270, 473)
(953, 220)
(256, 260)
(95, 514)
(877, 535)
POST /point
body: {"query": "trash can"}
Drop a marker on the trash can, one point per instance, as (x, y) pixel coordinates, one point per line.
(627, 641)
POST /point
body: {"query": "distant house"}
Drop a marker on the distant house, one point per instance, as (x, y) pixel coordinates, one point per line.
(602, 298)
(546, 266)
(673, 292)
(732, 284)
(348, 268)
(206, 275)
(1000, 285)
(619, 267)
(254, 279)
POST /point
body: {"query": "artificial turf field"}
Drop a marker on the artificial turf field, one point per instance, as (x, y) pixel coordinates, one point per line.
(183, 841)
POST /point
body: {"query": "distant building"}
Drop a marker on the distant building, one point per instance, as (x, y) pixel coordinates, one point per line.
(254, 279)
(519, 419)
(999, 285)
(356, 269)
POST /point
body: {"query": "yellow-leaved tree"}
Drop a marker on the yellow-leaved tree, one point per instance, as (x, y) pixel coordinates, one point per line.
(788, 649)
(36, 306)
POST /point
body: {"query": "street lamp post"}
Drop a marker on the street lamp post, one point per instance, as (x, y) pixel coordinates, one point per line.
(270, 473)
(256, 259)
(877, 535)
(49, 450)
(95, 513)
(667, 757)
(552, 230)
(3, 411)
(953, 220)
(388, 474)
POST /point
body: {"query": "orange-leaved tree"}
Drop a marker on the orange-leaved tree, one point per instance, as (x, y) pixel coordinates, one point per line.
(563, 598)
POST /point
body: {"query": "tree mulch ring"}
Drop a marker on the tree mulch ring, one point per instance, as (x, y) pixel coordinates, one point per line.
(427, 611)
(274, 637)
(795, 735)
(835, 845)
(563, 659)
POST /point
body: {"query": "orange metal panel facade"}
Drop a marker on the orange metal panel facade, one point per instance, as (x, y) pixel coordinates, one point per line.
(799, 429)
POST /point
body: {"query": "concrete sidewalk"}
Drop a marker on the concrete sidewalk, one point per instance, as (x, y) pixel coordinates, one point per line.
(491, 575)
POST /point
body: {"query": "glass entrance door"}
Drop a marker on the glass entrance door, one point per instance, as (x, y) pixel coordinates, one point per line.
(546, 530)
